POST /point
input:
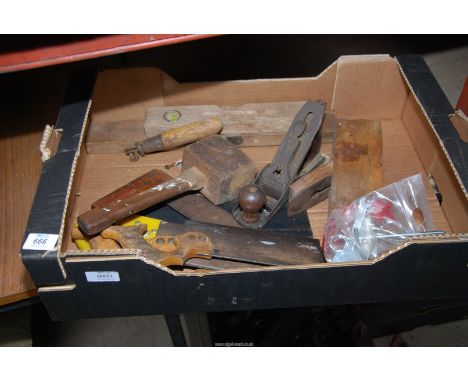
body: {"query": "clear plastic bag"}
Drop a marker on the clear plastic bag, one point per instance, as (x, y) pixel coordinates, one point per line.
(377, 222)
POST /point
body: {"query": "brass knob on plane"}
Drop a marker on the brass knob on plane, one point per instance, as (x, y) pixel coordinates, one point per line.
(251, 201)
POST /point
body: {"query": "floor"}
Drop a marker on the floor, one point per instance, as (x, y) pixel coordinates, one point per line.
(15, 328)
(450, 334)
(450, 67)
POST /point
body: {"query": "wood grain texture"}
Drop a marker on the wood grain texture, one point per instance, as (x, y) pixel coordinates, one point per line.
(194, 206)
(142, 183)
(105, 172)
(245, 126)
(399, 160)
(357, 161)
(33, 100)
(274, 117)
(119, 115)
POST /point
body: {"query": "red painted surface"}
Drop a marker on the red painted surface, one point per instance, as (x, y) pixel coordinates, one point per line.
(21, 52)
(463, 100)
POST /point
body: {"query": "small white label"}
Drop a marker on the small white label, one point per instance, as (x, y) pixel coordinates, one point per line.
(41, 241)
(102, 277)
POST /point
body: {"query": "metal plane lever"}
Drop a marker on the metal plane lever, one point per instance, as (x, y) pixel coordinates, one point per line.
(272, 183)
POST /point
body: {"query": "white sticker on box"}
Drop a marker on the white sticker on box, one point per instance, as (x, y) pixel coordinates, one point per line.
(102, 276)
(41, 241)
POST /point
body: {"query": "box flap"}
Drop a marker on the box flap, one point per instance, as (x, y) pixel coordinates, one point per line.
(53, 190)
(460, 122)
(437, 109)
(368, 87)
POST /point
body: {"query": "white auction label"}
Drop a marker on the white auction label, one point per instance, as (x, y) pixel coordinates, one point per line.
(41, 241)
(102, 276)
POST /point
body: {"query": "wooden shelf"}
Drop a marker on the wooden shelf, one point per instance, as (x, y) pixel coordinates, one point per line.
(34, 98)
(33, 101)
(28, 52)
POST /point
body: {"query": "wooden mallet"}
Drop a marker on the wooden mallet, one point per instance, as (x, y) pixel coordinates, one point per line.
(212, 165)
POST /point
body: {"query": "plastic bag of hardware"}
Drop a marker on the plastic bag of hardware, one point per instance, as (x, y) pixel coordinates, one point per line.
(377, 222)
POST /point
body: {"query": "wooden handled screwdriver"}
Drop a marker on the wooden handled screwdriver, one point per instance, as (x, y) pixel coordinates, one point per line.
(212, 165)
(175, 137)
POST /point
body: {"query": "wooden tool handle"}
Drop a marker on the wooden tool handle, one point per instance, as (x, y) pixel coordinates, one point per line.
(148, 180)
(180, 136)
(98, 219)
(193, 206)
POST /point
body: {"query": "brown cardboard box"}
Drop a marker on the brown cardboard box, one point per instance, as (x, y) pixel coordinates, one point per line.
(354, 87)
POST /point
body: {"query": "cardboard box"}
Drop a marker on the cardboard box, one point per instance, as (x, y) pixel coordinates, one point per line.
(418, 137)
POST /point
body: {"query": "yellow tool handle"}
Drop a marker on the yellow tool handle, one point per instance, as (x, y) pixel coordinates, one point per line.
(152, 225)
(80, 240)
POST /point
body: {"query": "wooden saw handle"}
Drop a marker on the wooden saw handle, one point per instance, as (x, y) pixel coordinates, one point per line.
(165, 250)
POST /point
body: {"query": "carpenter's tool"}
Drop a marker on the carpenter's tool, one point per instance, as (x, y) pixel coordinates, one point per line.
(148, 180)
(252, 246)
(357, 161)
(258, 248)
(164, 250)
(175, 137)
(310, 189)
(212, 165)
(96, 242)
(99, 243)
(260, 201)
(315, 158)
(79, 239)
(316, 161)
(193, 206)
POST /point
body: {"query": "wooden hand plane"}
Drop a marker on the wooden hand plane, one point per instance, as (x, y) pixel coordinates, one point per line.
(261, 200)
